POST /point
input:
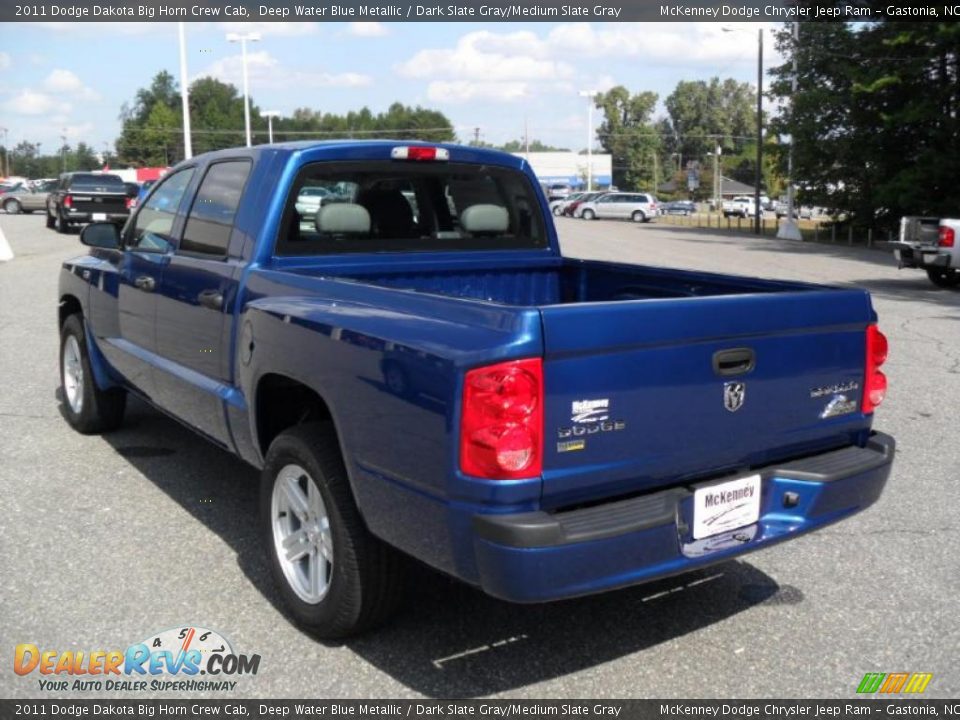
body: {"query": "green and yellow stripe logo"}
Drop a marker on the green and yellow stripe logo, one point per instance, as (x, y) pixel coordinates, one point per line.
(894, 683)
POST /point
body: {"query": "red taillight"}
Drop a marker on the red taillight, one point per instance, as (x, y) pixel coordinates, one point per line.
(68, 201)
(947, 236)
(419, 152)
(875, 382)
(501, 425)
(131, 203)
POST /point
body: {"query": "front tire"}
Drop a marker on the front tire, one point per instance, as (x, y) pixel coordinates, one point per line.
(944, 278)
(588, 215)
(334, 575)
(12, 207)
(88, 409)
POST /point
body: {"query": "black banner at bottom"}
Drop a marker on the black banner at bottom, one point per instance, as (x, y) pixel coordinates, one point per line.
(496, 709)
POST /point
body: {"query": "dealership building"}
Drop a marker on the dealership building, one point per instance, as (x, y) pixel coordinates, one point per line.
(570, 168)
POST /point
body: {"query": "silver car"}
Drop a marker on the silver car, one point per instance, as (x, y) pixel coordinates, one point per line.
(639, 207)
(310, 199)
(27, 199)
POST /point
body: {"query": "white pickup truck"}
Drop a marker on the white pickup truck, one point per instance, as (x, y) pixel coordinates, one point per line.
(741, 206)
(931, 244)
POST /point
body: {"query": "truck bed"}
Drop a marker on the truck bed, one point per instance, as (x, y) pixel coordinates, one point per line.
(574, 281)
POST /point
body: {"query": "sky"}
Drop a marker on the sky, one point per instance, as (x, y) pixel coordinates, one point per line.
(72, 78)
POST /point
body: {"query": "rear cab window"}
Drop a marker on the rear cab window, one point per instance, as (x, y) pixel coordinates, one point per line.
(91, 182)
(365, 207)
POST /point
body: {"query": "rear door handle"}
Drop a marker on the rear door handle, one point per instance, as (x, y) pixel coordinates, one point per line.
(145, 283)
(212, 299)
(734, 362)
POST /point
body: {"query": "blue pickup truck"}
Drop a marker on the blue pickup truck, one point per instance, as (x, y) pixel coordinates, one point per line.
(418, 371)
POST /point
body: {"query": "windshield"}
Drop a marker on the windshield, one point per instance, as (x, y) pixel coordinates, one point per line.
(406, 207)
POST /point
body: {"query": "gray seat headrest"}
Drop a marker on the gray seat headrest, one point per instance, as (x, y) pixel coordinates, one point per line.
(485, 219)
(343, 218)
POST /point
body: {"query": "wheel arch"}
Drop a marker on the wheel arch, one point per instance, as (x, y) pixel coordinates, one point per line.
(69, 305)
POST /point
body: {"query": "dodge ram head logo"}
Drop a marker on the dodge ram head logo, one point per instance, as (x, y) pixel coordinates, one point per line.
(733, 395)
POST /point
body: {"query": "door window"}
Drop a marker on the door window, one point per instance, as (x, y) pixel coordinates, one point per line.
(154, 223)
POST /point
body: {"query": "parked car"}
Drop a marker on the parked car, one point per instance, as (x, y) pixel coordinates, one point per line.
(679, 207)
(27, 199)
(82, 197)
(639, 207)
(572, 209)
(310, 199)
(144, 190)
(930, 244)
(558, 191)
(557, 207)
(803, 212)
(448, 386)
(741, 206)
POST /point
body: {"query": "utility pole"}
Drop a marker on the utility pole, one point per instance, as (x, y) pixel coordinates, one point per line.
(717, 179)
(656, 179)
(476, 137)
(789, 230)
(63, 149)
(526, 140)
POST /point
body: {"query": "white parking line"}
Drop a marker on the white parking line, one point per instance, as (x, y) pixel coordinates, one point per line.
(5, 252)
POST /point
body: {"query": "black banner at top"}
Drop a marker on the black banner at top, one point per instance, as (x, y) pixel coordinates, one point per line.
(469, 11)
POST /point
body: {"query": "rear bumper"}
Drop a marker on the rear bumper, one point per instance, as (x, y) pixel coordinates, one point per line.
(917, 256)
(86, 217)
(538, 556)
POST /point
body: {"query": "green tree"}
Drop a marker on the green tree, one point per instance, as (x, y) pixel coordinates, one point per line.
(875, 122)
(629, 135)
(702, 115)
(518, 146)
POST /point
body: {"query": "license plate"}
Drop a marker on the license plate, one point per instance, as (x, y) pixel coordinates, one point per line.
(726, 506)
(99, 216)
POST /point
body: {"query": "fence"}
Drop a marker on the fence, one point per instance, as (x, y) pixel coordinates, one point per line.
(822, 230)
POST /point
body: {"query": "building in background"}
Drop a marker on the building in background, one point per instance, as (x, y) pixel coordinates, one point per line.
(570, 168)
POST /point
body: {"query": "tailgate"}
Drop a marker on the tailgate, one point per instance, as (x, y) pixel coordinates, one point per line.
(91, 202)
(646, 393)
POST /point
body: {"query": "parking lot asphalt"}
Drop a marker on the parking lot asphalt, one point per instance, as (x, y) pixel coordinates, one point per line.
(105, 541)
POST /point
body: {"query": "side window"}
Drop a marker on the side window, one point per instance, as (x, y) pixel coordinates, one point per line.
(211, 217)
(151, 229)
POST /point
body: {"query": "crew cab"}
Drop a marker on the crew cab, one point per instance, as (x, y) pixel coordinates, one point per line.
(417, 370)
(83, 197)
(930, 244)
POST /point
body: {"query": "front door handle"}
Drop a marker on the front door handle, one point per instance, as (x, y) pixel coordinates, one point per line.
(212, 299)
(145, 283)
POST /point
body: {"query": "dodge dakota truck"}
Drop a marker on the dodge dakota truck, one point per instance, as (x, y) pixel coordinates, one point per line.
(417, 370)
(931, 244)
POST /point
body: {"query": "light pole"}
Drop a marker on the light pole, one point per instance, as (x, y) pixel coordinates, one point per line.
(270, 115)
(184, 96)
(758, 212)
(243, 39)
(789, 230)
(590, 94)
(63, 149)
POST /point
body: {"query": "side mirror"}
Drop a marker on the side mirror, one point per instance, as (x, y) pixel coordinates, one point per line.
(101, 235)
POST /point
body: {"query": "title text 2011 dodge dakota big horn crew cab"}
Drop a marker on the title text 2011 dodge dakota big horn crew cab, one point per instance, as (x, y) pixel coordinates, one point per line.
(417, 370)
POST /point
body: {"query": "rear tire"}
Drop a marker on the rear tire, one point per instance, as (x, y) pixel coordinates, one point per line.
(638, 216)
(88, 409)
(12, 207)
(588, 215)
(343, 580)
(63, 227)
(50, 220)
(557, 212)
(944, 278)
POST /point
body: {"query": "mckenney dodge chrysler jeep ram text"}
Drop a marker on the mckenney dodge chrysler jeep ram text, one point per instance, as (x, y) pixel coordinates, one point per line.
(417, 370)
